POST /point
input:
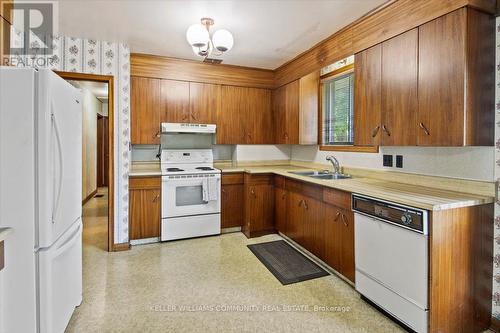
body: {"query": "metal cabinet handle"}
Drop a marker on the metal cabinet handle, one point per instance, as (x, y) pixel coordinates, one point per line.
(285, 135)
(306, 206)
(252, 192)
(344, 220)
(157, 135)
(193, 116)
(375, 131)
(386, 130)
(422, 126)
(223, 190)
(301, 202)
(156, 198)
(337, 216)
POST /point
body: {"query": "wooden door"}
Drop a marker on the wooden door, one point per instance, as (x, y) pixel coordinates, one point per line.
(441, 80)
(399, 90)
(204, 101)
(230, 116)
(333, 237)
(144, 208)
(367, 96)
(347, 252)
(280, 209)
(232, 205)
(258, 116)
(102, 151)
(145, 110)
(174, 101)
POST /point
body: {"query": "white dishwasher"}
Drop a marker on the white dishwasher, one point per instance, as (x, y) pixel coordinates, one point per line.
(391, 254)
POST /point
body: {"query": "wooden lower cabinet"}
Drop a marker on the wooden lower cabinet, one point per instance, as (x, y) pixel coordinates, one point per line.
(144, 207)
(259, 205)
(232, 201)
(280, 209)
(295, 225)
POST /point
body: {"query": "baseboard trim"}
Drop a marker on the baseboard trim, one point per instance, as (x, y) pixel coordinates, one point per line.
(495, 325)
(121, 247)
(90, 196)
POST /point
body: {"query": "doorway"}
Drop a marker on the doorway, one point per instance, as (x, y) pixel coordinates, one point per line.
(97, 158)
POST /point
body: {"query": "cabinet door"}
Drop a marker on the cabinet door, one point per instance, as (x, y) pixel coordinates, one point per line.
(292, 113)
(333, 237)
(279, 115)
(399, 90)
(258, 116)
(259, 209)
(295, 225)
(204, 101)
(308, 109)
(232, 206)
(230, 116)
(367, 96)
(441, 83)
(174, 101)
(347, 257)
(145, 110)
(313, 225)
(145, 213)
(280, 209)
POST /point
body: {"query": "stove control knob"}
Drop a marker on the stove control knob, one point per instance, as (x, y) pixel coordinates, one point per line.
(406, 219)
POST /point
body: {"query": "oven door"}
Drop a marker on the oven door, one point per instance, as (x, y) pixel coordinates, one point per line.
(183, 196)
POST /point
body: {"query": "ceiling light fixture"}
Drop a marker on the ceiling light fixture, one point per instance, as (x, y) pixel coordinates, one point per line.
(198, 36)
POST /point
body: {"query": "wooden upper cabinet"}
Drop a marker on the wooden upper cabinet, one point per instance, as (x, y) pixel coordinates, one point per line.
(367, 96)
(308, 108)
(456, 80)
(286, 113)
(245, 116)
(145, 110)
(204, 101)
(399, 90)
(258, 119)
(174, 101)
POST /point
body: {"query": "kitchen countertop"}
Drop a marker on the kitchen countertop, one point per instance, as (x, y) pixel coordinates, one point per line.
(145, 169)
(412, 195)
(4, 232)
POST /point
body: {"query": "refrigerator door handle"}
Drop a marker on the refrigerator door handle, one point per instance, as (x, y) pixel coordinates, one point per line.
(57, 197)
(69, 242)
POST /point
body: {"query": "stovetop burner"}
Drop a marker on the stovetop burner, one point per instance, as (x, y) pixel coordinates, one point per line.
(205, 168)
(174, 170)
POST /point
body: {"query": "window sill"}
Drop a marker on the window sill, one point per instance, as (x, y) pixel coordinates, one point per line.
(356, 149)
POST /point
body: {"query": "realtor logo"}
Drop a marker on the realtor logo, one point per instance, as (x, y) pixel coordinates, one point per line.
(33, 23)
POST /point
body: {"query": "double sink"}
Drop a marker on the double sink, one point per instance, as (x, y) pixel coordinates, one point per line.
(326, 175)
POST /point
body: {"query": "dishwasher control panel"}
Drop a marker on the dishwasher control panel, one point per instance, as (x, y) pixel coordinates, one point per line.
(404, 216)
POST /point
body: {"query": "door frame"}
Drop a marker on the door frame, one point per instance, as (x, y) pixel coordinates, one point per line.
(109, 79)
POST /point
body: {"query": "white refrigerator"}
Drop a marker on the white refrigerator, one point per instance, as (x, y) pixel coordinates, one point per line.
(41, 199)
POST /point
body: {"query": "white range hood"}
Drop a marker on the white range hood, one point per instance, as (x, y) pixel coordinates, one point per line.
(188, 128)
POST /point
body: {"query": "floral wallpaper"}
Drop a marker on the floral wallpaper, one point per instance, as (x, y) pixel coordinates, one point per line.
(496, 250)
(95, 57)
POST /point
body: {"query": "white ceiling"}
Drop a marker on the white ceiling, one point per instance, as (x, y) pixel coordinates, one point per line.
(99, 89)
(266, 33)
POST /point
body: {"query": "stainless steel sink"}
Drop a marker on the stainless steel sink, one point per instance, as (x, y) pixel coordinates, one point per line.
(331, 176)
(320, 174)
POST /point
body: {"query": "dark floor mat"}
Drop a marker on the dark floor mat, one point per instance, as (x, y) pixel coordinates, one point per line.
(286, 263)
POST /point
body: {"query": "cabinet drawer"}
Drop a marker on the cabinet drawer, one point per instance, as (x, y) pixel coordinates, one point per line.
(144, 183)
(337, 198)
(264, 179)
(309, 190)
(279, 182)
(232, 179)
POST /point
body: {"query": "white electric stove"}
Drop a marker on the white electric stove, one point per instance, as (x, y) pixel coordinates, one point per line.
(191, 192)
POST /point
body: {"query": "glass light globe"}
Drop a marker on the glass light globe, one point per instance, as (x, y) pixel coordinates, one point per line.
(197, 35)
(223, 40)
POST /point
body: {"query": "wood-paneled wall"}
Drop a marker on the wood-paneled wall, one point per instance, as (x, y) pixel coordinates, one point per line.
(151, 66)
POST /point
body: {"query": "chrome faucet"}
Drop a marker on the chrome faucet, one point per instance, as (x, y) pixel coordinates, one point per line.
(335, 164)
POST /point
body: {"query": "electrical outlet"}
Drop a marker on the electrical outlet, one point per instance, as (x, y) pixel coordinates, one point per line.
(399, 161)
(387, 162)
